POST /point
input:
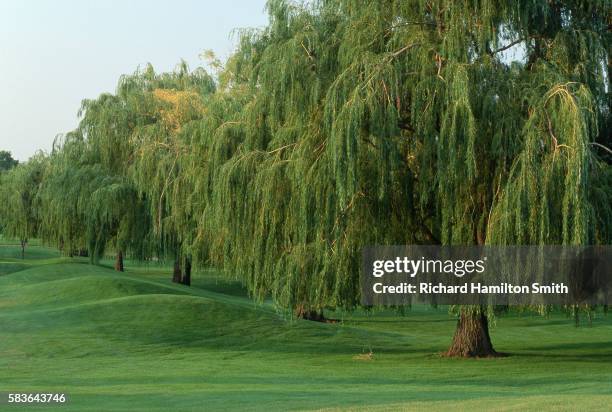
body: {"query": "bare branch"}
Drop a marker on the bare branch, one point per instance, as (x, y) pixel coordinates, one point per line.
(509, 45)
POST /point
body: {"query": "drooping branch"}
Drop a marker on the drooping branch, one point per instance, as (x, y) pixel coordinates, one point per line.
(601, 146)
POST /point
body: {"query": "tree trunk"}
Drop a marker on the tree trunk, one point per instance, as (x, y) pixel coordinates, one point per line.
(187, 274)
(23, 243)
(576, 315)
(119, 262)
(301, 312)
(176, 275)
(472, 339)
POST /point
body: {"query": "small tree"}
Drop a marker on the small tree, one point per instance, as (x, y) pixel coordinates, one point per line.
(6, 161)
(19, 217)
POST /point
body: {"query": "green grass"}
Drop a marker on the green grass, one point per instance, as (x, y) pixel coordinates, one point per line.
(137, 342)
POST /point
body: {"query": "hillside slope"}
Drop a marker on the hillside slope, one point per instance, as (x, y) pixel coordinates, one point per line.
(135, 341)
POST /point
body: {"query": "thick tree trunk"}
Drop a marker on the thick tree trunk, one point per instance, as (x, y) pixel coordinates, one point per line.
(177, 275)
(301, 312)
(472, 337)
(187, 274)
(119, 262)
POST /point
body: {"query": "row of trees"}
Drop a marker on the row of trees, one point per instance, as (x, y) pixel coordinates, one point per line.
(342, 124)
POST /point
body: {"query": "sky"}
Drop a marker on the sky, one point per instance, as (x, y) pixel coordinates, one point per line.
(55, 53)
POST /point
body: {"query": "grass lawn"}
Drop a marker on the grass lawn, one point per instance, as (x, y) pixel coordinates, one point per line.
(135, 341)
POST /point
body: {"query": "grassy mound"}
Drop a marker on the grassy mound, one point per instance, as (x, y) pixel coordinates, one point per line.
(134, 340)
(73, 291)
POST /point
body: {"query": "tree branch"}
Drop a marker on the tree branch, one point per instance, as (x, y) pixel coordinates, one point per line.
(509, 45)
(602, 146)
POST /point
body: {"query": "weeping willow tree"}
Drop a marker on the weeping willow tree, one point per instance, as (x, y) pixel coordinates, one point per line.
(170, 102)
(116, 181)
(19, 187)
(406, 122)
(87, 198)
(115, 213)
(130, 138)
(83, 208)
(64, 196)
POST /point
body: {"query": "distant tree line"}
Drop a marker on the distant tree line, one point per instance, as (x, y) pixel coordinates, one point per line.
(7, 161)
(342, 124)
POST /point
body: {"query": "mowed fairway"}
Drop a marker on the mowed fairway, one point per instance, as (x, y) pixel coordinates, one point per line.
(135, 341)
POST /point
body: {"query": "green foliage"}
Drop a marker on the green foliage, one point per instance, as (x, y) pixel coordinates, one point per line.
(6, 161)
(19, 186)
(344, 124)
(403, 123)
